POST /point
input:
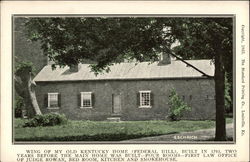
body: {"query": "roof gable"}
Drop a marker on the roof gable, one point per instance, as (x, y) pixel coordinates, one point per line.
(123, 71)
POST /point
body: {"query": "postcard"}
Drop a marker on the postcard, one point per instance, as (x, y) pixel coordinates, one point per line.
(124, 81)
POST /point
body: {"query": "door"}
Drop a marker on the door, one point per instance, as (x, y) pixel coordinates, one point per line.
(116, 104)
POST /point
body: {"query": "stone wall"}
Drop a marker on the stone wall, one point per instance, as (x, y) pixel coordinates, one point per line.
(198, 93)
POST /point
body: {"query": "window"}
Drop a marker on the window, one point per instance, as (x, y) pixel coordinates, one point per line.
(145, 99)
(86, 99)
(53, 100)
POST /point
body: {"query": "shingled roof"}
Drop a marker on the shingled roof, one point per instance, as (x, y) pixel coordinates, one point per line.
(126, 71)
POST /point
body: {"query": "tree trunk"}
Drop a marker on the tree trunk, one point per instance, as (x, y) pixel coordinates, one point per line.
(25, 88)
(220, 133)
(32, 95)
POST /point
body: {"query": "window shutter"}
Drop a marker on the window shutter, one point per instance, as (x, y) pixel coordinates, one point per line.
(79, 99)
(93, 99)
(138, 99)
(46, 100)
(59, 100)
(151, 99)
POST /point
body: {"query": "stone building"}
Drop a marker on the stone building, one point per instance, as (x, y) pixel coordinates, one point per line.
(128, 91)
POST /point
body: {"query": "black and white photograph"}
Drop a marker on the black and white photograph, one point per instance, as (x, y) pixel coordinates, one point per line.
(123, 78)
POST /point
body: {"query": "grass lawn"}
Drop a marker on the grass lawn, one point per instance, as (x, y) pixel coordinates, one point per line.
(106, 131)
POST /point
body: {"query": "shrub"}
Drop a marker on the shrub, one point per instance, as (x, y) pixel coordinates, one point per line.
(19, 106)
(46, 120)
(177, 106)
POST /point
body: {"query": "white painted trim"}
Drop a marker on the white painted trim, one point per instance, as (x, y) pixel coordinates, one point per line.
(53, 108)
(145, 91)
(86, 107)
(54, 93)
(86, 93)
(145, 107)
(48, 95)
(140, 97)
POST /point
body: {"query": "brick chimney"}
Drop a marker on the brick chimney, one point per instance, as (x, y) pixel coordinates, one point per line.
(74, 68)
(165, 59)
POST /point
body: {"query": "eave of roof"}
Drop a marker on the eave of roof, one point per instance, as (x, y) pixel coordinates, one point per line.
(131, 79)
(129, 71)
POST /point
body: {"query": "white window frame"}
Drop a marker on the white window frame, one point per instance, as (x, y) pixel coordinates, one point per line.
(49, 94)
(141, 99)
(82, 95)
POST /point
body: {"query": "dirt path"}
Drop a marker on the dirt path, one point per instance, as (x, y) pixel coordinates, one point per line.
(198, 135)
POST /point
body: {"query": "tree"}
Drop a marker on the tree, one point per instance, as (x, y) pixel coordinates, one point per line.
(228, 98)
(210, 38)
(24, 87)
(69, 41)
(25, 52)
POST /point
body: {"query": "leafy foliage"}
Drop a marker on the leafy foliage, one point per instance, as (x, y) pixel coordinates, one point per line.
(24, 67)
(24, 87)
(69, 41)
(177, 106)
(197, 38)
(24, 49)
(210, 38)
(19, 106)
(22, 73)
(72, 40)
(205, 38)
(46, 120)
